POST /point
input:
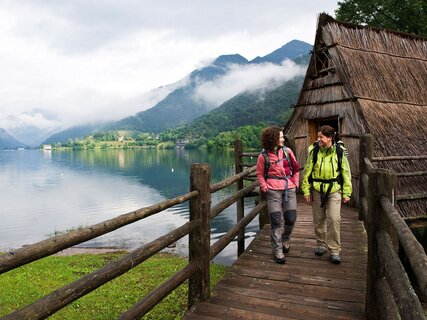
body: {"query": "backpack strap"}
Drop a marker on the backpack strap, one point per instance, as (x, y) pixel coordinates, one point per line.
(286, 155)
(324, 195)
(340, 151)
(267, 167)
(266, 162)
(314, 152)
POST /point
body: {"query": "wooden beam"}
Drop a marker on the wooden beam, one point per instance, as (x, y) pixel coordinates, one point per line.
(228, 182)
(387, 308)
(413, 249)
(240, 207)
(250, 154)
(399, 158)
(414, 196)
(154, 297)
(62, 297)
(219, 207)
(407, 301)
(199, 238)
(411, 174)
(16, 258)
(233, 232)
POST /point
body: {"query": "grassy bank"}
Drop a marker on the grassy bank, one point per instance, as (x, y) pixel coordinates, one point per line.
(29, 283)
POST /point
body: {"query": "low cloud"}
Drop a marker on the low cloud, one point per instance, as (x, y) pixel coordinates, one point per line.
(36, 118)
(246, 78)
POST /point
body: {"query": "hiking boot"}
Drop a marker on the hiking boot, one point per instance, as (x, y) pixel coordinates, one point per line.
(279, 257)
(335, 259)
(286, 246)
(320, 251)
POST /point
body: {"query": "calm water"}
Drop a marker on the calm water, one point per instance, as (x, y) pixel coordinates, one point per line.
(44, 192)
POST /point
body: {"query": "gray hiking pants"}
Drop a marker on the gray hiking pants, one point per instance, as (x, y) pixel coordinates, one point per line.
(277, 207)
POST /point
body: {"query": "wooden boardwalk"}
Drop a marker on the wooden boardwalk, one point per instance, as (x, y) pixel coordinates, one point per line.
(306, 287)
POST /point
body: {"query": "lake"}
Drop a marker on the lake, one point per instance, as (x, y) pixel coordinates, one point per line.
(48, 192)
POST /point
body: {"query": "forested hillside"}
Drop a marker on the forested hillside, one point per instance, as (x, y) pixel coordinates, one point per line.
(249, 108)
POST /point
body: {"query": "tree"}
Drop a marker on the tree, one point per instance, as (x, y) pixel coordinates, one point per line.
(403, 15)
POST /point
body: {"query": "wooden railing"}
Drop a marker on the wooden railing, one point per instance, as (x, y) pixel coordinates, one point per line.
(197, 272)
(390, 294)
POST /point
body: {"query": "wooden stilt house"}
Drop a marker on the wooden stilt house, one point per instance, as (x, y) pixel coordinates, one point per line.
(364, 80)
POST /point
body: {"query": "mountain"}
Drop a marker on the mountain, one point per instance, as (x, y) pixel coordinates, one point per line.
(291, 50)
(32, 126)
(248, 108)
(7, 141)
(78, 132)
(181, 106)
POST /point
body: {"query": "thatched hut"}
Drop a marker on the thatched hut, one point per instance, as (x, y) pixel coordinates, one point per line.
(366, 80)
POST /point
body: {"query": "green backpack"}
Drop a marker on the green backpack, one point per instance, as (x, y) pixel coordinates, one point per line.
(315, 151)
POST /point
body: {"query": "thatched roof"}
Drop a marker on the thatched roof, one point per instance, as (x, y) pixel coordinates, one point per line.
(382, 74)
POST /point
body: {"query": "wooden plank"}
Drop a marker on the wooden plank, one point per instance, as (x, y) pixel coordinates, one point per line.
(303, 290)
(276, 308)
(222, 312)
(291, 298)
(306, 287)
(299, 278)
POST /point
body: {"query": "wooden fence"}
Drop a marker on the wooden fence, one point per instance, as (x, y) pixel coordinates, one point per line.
(390, 294)
(197, 271)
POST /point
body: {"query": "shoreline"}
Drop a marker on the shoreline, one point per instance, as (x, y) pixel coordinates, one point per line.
(90, 250)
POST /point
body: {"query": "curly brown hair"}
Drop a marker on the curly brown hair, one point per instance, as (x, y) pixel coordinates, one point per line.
(270, 138)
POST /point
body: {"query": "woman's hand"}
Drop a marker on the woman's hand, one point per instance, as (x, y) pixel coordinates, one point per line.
(307, 199)
(345, 200)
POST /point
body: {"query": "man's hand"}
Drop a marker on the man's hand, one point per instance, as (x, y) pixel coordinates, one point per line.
(307, 199)
(345, 200)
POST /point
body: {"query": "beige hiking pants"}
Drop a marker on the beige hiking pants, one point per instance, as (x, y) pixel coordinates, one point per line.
(327, 222)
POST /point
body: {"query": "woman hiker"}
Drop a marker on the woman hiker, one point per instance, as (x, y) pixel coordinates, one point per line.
(278, 175)
(326, 182)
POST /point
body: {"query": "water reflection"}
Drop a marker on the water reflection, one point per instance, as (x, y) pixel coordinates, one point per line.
(46, 192)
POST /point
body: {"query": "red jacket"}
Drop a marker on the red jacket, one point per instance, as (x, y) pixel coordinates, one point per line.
(279, 167)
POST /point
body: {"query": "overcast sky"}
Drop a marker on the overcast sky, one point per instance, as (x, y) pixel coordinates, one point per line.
(66, 62)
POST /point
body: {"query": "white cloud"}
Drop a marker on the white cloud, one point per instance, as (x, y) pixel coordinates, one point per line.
(84, 59)
(246, 78)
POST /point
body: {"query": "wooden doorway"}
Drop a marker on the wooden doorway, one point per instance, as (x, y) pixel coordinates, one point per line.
(315, 124)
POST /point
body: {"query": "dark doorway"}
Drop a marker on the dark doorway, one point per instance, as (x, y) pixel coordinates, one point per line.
(334, 123)
(315, 124)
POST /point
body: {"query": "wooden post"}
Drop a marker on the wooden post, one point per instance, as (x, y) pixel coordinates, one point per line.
(290, 142)
(387, 187)
(407, 302)
(374, 209)
(240, 204)
(380, 183)
(199, 238)
(365, 145)
(263, 215)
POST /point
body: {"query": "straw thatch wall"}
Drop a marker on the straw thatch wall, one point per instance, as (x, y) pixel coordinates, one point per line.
(377, 63)
(373, 81)
(401, 130)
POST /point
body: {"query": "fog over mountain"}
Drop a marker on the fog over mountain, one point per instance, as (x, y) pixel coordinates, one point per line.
(90, 61)
(7, 141)
(210, 86)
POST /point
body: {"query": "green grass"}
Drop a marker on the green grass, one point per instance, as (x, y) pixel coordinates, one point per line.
(31, 282)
